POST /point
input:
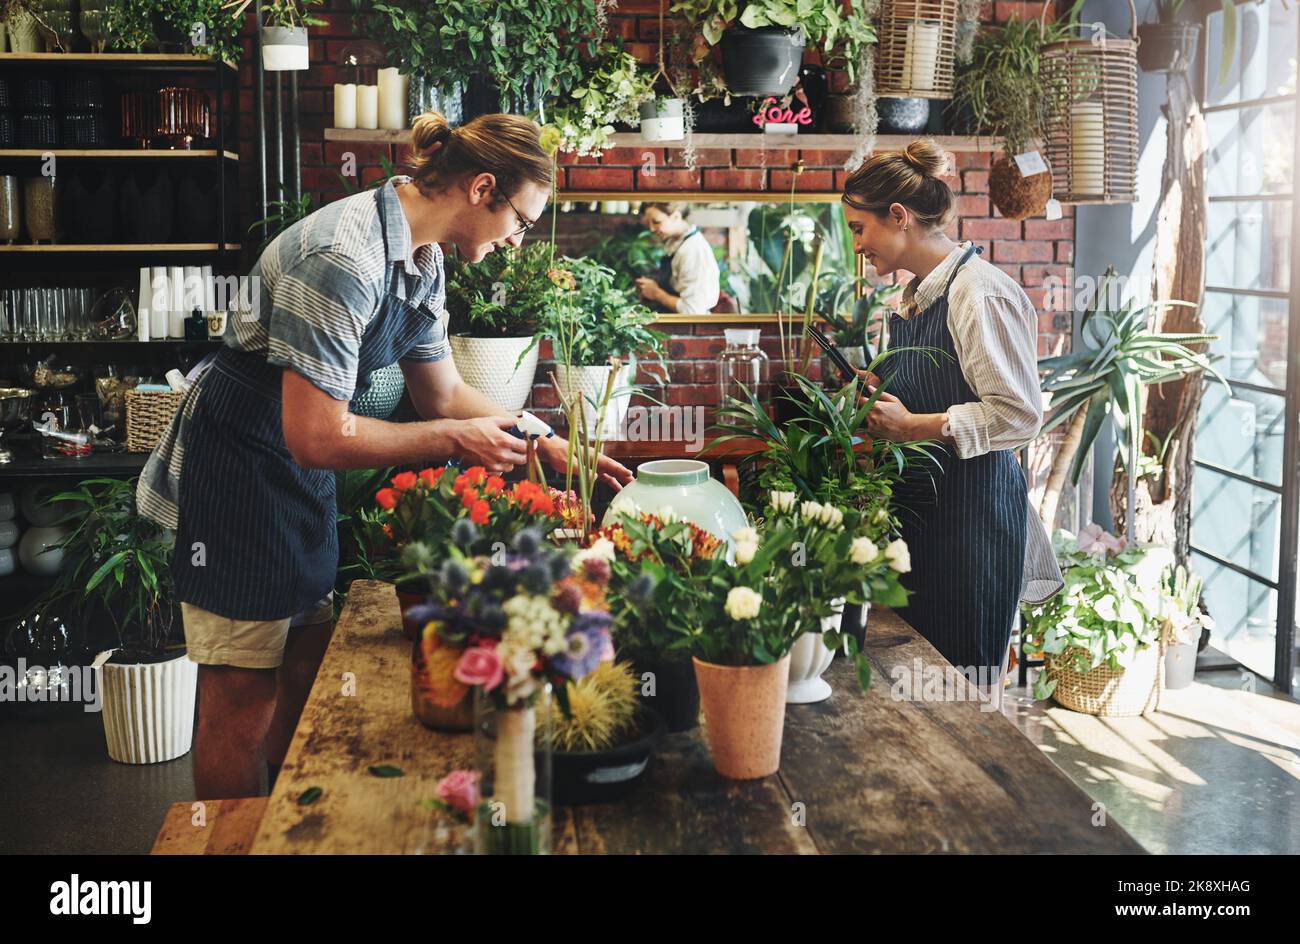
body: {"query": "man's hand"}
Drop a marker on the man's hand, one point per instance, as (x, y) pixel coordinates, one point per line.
(889, 419)
(484, 441)
(555, 451)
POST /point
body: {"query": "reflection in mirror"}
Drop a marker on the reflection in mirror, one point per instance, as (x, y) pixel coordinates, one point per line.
(718, 256)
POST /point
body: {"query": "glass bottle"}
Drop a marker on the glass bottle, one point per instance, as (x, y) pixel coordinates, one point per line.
(742, 367)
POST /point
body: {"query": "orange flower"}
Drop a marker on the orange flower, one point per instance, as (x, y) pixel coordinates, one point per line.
(474, 476)
(479, 513)
(387, 498)
(469, 497)
(494, 485)
(404, 480)
(430, 476)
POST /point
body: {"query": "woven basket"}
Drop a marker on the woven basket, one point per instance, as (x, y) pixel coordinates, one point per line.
(147, 417)
(1108, 692)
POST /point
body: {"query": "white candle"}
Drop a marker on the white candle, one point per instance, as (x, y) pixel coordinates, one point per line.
(921, 56)
(143, 301)
(160, 304)
(1087, 148)
(345, 105)
(367, 106)
(392, 99)
(176, 304)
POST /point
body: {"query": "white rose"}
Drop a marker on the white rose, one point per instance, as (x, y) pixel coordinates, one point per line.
(898, 556)
(863, 551)
(831, 516)
(811, 510)
(745, 551)
(743, 603)
(783, 502)
(881, 516)
(745, 536)
(667, 515)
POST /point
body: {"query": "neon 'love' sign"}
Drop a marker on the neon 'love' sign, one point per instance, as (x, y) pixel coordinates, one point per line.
(778, 115)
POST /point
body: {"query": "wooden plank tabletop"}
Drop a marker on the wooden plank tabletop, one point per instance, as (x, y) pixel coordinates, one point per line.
(859, 773)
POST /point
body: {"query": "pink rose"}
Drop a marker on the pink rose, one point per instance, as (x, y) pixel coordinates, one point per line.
(459, 790)
(479, 666)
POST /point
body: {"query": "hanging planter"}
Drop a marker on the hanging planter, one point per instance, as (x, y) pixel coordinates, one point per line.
(662, 120)
(284, 48)
(1015, 196)
(917, 39)
(1091, 126)
(762, 61)
(1167, 47)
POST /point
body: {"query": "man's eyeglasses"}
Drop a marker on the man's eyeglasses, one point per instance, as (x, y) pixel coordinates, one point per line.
(525, 224)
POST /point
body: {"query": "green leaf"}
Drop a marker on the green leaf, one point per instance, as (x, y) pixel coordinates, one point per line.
(309, 796)
(386, 770)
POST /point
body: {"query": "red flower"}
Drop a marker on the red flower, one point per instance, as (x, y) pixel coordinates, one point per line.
(387, 498)
(469, 497)
(479, 513)
(476, 475)
(404, 480)
(430, 476)
(494, 485)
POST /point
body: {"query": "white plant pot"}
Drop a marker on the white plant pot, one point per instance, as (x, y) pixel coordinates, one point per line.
(662, 120)
(284, 48)
(590, 383)
(488, 365)
(149, 709)
(23, 33)
(809, 658)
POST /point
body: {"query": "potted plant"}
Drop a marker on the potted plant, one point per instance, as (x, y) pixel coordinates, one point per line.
(630, 251)
(1000, 92)
(18, 18)
(526, 621)
(1167, 45)
(283, 31)
(763, 40)
(173, 26)
(117, 574)
(598, 333)
(856, 321)
(612, 92)
(504, 51)
(645, 545)
(1182, 622)
(496, 308)
(662, 119)
(602, 746)
(1100, 637)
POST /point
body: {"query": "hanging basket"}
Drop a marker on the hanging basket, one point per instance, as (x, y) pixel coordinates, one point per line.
(915, 48)
(1092, 130)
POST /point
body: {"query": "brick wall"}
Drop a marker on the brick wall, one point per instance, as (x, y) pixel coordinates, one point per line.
(1029, 251)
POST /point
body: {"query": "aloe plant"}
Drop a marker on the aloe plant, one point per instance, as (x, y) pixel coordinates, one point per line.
(1123, 355)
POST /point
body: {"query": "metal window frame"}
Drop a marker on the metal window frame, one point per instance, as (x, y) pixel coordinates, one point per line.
(1284, 657)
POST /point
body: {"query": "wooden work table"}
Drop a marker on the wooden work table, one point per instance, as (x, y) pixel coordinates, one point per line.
(861, 772)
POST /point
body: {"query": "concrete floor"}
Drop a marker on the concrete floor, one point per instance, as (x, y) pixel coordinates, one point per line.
(1216, 770)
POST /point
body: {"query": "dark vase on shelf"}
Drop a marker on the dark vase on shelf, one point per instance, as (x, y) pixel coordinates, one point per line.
(605, 776)
(714, 117)
(146, 207)
(762, 61)
(814, 88)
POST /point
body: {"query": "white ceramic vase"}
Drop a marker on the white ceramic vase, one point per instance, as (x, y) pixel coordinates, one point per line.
(284, 48)
(149, 709)
(488, 365)
(590, 383)
(809, 658)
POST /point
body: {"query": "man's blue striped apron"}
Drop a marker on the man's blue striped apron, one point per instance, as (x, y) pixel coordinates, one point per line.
(256, 537)
(965, 521)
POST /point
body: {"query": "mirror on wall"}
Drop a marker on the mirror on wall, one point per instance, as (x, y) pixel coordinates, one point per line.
(718, 256)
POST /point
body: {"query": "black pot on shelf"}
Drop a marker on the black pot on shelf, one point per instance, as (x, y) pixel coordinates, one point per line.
(714, 117)
(815, 88)
(582, 777)
(1167, 47)
(145, 206)
(762, 61)
(786, 396)
(676, 693)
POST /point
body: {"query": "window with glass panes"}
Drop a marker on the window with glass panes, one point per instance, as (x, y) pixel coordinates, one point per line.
(1244, 502)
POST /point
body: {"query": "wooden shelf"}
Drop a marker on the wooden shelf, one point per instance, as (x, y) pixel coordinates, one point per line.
(146, 59)
(116, 153)
(695, 196)
(122, 247)
(821, 142)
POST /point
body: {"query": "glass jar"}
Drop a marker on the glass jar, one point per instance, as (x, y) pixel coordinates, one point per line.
(512, 749)
(742, 367)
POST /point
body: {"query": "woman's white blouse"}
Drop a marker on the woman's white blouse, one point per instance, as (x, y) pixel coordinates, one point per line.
(994, 328)
(694, 274)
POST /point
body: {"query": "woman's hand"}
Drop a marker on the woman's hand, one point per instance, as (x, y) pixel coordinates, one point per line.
(867, 377)
(648, 288)
(555, 451)
(888, 418)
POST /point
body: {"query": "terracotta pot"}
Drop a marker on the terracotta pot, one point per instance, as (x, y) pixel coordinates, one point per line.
(744, 716)
(437, 699)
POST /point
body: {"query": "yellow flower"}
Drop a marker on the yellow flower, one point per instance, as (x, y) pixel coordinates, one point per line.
(549, 140)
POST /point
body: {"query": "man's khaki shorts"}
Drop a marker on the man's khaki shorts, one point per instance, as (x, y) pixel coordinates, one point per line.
(247, 644)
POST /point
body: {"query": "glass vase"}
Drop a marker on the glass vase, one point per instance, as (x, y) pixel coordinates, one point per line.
(742, 367)
(512, 749)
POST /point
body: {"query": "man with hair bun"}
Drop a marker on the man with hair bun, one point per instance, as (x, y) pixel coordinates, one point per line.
(245, 474)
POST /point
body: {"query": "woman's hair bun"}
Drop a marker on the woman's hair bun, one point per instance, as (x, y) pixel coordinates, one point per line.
(927, 157)
(429, 130)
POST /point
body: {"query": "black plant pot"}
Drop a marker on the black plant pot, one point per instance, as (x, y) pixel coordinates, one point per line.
(786, 398)
(716, 118)
(482, 97)
(763, 61)
(1167, 47)
(852, 623)
(581, 777)
(813, 82)
(676, 693)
